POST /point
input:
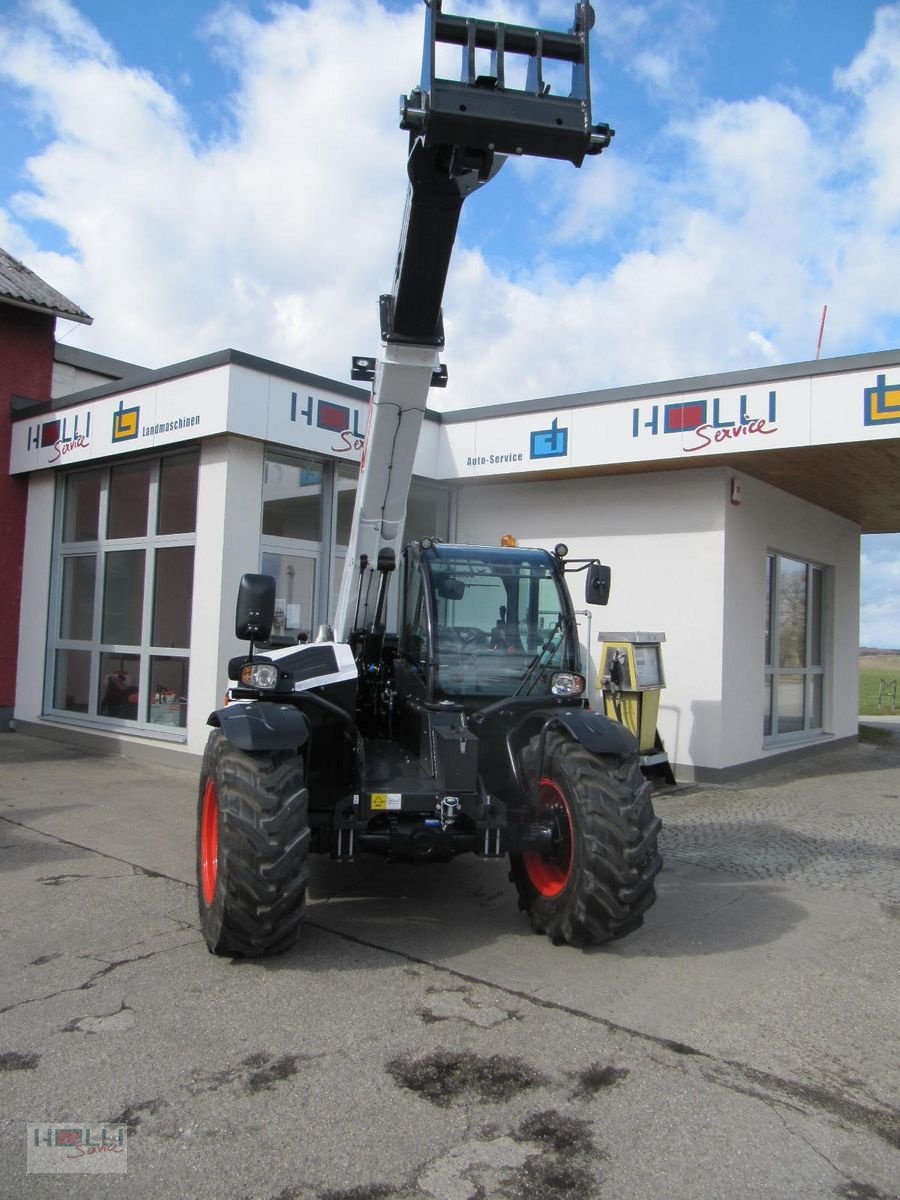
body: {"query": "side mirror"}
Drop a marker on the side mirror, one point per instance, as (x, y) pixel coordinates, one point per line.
(597, 583)
(255, 610)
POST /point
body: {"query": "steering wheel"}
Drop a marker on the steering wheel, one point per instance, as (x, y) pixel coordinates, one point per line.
(470, 636)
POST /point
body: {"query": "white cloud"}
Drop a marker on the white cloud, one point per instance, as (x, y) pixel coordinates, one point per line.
(874, 79)
(658, 40)
(277, 238)
(725, 274)
(73, 31)
(278, 235)
(728, 261)
(657, 69)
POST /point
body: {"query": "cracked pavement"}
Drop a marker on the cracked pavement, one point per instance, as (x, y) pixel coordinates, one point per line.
(420, 1043)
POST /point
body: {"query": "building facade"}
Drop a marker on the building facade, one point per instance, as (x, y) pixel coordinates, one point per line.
(729, 507)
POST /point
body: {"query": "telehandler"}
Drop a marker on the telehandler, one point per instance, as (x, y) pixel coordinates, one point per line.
(469, 728)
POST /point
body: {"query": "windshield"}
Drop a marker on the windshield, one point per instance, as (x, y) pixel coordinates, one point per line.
(501, 622)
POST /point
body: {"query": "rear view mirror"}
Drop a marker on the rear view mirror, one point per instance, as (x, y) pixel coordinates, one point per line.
(597, 583)
(448, 588)
(255, 610)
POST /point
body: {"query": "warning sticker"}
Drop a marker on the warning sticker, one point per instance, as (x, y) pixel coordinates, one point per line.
(385, 801)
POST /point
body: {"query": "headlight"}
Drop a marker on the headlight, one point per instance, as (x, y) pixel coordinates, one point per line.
(566, 683)
(259, 675)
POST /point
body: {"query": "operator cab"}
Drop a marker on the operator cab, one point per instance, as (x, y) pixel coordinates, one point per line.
(479, 623)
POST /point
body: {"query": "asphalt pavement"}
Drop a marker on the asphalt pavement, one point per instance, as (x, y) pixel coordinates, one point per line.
(420, 1043)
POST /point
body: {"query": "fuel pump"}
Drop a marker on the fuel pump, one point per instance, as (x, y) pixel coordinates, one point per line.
(632, 680)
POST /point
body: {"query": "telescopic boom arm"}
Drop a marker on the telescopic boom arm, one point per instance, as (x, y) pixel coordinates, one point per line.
(460, 133)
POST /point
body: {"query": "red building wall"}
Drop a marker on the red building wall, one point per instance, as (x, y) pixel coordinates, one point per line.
(26, 369)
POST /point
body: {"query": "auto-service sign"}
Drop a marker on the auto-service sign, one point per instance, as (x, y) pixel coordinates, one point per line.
(850, 406)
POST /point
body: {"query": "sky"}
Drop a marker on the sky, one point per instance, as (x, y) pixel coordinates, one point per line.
(199, 175)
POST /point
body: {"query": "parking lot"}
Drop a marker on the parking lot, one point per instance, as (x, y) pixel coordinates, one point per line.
(420, 1043)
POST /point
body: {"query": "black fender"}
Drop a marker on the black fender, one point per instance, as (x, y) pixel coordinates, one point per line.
(262, 725)
(596, 732)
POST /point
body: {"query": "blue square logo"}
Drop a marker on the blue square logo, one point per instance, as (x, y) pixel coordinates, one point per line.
(550, 443)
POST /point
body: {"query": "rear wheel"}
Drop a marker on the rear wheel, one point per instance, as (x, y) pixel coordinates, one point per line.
(252, 847)
(594, 881)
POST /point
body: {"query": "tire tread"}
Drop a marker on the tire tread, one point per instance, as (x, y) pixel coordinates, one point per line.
(612, 882)
(264, 837)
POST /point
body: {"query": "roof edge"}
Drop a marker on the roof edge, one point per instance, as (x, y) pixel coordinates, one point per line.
(90, 360)
(146, 377)
(47, 310)
(695, 383)
(194, 366)
(20, 287)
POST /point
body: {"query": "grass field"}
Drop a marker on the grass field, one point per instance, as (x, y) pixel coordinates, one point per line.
(873, 670)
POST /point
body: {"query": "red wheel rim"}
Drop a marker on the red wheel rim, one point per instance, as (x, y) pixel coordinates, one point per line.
(549, 874)
(209, 842)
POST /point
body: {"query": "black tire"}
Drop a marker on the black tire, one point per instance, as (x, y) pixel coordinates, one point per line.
(252, 848)
(597, 883)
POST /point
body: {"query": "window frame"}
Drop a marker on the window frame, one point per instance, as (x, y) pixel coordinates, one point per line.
(99, 548)
(811, 673)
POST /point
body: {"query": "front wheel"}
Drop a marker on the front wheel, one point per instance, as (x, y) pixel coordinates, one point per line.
(252, 847)
(594, 881)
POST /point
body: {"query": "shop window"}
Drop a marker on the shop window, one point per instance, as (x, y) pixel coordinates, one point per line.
(120, 686)
(76, 617)
(178, 494)
(123, 596)
(72, 680)
(168, 691)
(82, 506)
(173, 593)
(123, 611)
(295, 592)
(129, 493)
(795, 676)
(292, 498)
(296, 499)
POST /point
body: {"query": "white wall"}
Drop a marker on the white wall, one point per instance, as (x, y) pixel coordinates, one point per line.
(35, 597)
(663, 536)
(689, 564)
(768, 519)
(68, 379)
(229, 505)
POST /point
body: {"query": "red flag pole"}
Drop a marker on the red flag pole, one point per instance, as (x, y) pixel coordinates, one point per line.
(821, 331)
